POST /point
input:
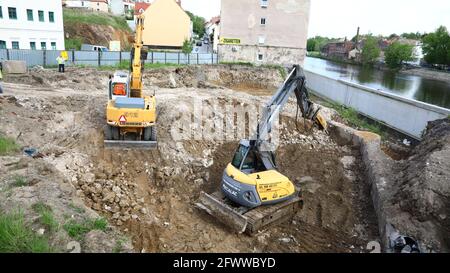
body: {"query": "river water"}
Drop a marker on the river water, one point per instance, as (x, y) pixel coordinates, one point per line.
(413, 87)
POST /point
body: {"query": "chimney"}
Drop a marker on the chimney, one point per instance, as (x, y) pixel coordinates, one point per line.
(357, 39)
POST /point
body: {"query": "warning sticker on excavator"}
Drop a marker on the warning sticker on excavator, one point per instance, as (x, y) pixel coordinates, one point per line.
(122, 119)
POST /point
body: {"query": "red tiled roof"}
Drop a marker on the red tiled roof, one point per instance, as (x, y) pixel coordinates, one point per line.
(140, 6)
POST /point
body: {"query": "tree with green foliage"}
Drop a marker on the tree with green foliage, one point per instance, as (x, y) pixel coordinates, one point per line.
(311, 45)
(370, 51)
(412, 36)
(187, 47)
(397, 53)
(198, 24)
(436, 47)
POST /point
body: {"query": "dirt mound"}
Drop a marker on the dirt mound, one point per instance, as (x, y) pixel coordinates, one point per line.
(257, 80)
(98, 34)
(424, 188)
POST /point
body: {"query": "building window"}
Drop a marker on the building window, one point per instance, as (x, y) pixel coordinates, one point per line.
(33, 45)
(263, 21)
(2, 45)
(260, 57)
(15, 45)
(43, 46)
(53, 45)
(264, 3)
(51, 16)
(1, 13)
(41, 16)
(12, 12)
(261, 39)
(30, 14)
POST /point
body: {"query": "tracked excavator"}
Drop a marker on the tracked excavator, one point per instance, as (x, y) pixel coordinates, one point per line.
(131, 116)
(253, 194)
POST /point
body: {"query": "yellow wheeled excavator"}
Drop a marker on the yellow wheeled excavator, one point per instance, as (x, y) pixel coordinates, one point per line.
(131, 116)
(253, 193)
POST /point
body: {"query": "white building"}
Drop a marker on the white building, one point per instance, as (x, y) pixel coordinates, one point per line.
(31, 24)
(77, 4)
(119, 7)
(212, 29)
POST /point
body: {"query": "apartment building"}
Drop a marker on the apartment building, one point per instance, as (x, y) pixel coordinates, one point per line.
(31, 24)
(264, 31)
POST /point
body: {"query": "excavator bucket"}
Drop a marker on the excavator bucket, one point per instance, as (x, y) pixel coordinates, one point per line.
(216, 206)
(130, 144)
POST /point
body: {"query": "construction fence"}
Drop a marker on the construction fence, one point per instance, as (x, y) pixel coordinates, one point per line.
(110, 58)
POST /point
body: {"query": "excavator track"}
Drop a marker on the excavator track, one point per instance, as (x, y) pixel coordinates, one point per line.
(244, 220)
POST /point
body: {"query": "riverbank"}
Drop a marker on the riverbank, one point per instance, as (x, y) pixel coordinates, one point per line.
(431, 74)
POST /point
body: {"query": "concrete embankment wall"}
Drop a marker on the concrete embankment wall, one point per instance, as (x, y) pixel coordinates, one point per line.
(404, 115)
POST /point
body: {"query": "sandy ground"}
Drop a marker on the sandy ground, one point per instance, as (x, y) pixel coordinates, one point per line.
(150, 195)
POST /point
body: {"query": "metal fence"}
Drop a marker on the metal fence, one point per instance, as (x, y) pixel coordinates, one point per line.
(111, 58)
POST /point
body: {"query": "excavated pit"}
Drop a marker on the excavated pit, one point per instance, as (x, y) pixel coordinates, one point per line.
(150, 195)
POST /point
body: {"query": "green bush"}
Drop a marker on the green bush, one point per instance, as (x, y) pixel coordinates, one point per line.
(7, 145)
(47, 218)
(74, 43)
(17, 237)
(77, 16)
(79, 229)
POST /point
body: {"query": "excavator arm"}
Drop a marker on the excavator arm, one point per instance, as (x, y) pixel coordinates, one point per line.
(295, 82)
(138, 55)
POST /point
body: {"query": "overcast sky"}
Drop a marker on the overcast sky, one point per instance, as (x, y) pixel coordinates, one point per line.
(341, 18)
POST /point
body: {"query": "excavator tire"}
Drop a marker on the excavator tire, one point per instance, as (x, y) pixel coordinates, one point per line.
(153, 134)
(112, 133)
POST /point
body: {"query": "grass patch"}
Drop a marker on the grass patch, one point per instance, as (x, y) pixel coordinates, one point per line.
(7, 146)
(76, 208)
(238, 63)
(73, 16)
(354, 119)
(17, 237)
(78, 229)
(119, 245)
(47, 218)
(19, 181)
(73, 43)
(280, 68)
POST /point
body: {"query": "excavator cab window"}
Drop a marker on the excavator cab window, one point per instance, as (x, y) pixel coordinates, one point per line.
(119, 89)
(239, 156)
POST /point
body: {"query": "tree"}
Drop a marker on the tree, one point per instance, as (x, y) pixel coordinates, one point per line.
(370, 51)
(311, 45)
(412, 35)
(397, 53)
(436, 47)
(187, 47)
(198, 24)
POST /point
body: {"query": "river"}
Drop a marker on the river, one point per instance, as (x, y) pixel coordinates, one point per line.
(413, 87)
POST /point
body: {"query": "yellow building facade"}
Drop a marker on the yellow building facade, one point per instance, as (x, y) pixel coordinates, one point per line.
(166, 24)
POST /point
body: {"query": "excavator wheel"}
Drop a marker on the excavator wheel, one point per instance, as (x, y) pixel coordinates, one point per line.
(112, 133)
(150, 133)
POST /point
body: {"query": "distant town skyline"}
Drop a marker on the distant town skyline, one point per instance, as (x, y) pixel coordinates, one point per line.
(340, 19)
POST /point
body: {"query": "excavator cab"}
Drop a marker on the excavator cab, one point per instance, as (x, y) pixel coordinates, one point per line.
(251, 179)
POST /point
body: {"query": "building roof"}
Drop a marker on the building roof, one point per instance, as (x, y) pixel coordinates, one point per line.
(140, 6)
